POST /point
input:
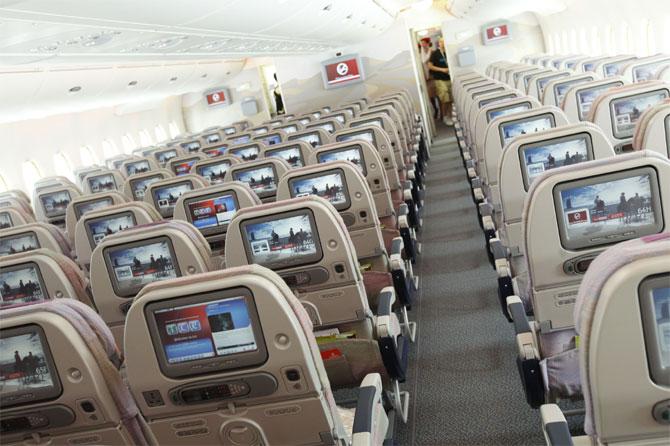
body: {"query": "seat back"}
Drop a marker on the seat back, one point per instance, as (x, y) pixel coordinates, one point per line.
(102, 181)
(88, 203)
(644, 69)
(124, 262)
(163, 194)
(15, 193)
(30, 236)
(366, 159)
(135, 187)
(340, 116)
(617, 111)
(480, 102)
(652, 131)
(578, 211)
(399, 146)
(261, 176)
(329, 125)
(278, 370)
(215, 150)
(295, 153)
(579, 98)
(271, 138)
(41, 274)
(182, 165)
(209, 137)
(192, 145)
(79, 174)
(248, 151)
(537, 83)
(23, 205)
(612, 66)
(291, 127)
(214, 170)
(65, 385)
(51, 203)
(211, 209)
(138, 165)
(305, 241)
(11, 216)
(622, 316)
(96, 225)
(589, 65)
(528, 156)
(315, 137)
(523, 82)
(116, 161)
(164, 155)
(555, 89)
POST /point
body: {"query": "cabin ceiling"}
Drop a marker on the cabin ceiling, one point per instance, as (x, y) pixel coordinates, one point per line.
(480, 11)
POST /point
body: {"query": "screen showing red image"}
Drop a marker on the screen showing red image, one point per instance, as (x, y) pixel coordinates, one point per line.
(216, 97)
(342, 71)
(497, 32)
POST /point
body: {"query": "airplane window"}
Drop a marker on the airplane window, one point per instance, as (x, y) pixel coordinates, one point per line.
(174, 129)
(583, 42)
(129, 143)
(574, 46)
(610, 40)
(109, 148)
(160, 133)
(649, 38)
(88, 156)
(3, 184)
(145, 138)
(550, 43)
(565, 45)
(624, 44)
(62, 166)
(31, 174)
(596, 43)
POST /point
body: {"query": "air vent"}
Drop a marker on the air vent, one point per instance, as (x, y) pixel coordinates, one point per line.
(131, 84)
(173, 79)
(74, 90)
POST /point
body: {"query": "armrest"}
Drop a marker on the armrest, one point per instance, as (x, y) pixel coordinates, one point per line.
(517, 312)
(497, 248)
(386, 322)
(485, 208)
(370, 420)
(397, 245)
(476, 183)
(554, 425)
(385, 302)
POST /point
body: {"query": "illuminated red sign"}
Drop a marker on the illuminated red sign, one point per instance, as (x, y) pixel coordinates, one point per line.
(217, 97)
(497, 32)
(343, 71)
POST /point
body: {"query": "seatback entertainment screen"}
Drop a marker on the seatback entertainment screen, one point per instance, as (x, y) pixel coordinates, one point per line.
(184, 167)
(138, 167)
(192, 146)
(292, 128)
(247, 153)
(561, 88)
(654, 296)
(5, 220)
(213, 152)
(366, 135)
(537, 158)
(291, 155)
(21, 284)
(13, 244)
(353, 154)
(282, 241)
(587, 96)
(211, 213)
(313, 138)
(330, 185)
(261, 179)
(99, 228)
(648, 71)
(214, 172)
(608, 208)
(241, 139)
(504, 111)
(272, 139)
(164, 156)
(626, 111)
(84, 207)
(102, 183)
(140, 185)
(55, 203)
(165, 197)
(524, 126)
(133, 265)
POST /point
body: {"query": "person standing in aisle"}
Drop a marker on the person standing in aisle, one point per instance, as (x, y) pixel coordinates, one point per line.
(426, 47)
(439, 70)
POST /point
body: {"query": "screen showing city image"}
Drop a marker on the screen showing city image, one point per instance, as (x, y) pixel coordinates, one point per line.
(367, 135)
(537, 159)
(291, 155)
(339, 117)
(214, 172)
(91, 205)
(192, 146)
(102, 183)
(212, 138)
(183, 167)
(282, 242)
(311, 138)
(20, 285)
(612, 69)
(327, 126)
(99, 228)
(166, 197)
(140, 186)
(511, 130)
(626, 111)
(352, 154)
(165, 155)
(329, 186)
(229, 130)
(213, 152)
(24, 366)
(586, 97)
(661, 299)
(55, 203)
(261, 179)
(271, 140)
(205, 330)
(648, 72)
(543, 81)
(247, 153)
(212, 212)
(137, 167)
(241, 139)
(492, 114)
(601, 210)
(289, 128)
(304, 121)
(5, 220)
(133, 267)
(13, 244)
(377, 122)
(562, 88)
(260, 131)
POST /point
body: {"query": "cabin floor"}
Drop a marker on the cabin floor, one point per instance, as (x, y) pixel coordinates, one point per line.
(463, 380)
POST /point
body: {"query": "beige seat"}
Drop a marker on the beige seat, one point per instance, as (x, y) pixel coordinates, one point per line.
(329, 125)
(41, 274)
(138, 165)
(315, 137)
(306, 243)
(215, 150)
(209, 137)
(537, 83)
(295, 153)
(555, 89)
(182, 165)
(51, 203)
(14, 215)
(78, 395)
(214, 170)
(612, 66)
(211, 209)
(652, 131)
(164, 155)
(622, 313)
(102, 181)
(271, 138)
(247, 151)
(96, 225)
(291, 127)
(261, 176)
(79, 175)
(163, 194)
(30, 236)
(88, 203)
(135, 186)
(124, 262)
(17, 194)
(192, 145)
(116, 161)
(239, 395)
(18, 202)
(238, 139)
(579, 98)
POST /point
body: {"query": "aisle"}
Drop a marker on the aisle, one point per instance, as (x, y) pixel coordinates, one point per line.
(463, 379)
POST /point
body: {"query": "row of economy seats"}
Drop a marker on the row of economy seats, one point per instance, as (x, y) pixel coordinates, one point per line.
(219, 294)
(567, 157)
